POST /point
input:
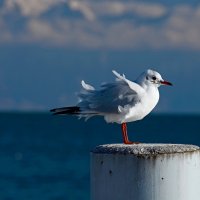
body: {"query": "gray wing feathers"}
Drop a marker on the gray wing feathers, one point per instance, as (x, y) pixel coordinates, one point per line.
(114, 98)
(133, 86)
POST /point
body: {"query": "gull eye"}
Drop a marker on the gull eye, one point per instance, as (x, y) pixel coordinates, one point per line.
(153, 78)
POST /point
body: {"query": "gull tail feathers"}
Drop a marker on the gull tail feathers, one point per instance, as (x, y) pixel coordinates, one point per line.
(72, 110)
(87, 86)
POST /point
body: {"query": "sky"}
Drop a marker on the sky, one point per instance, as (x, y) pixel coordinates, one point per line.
(48, 46)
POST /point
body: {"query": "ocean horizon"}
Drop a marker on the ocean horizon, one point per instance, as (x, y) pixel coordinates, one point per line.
(48, 157)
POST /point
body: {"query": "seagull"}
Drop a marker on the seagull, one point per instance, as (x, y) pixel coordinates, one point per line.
(121, 101)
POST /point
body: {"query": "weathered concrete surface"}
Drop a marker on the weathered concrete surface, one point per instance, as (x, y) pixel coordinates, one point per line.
(144, 149)
(145, 172)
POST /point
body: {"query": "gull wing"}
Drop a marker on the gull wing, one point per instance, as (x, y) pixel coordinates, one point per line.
(117, 97)
(134, 86)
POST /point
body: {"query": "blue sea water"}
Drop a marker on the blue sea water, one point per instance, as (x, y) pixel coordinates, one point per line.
(45, 157)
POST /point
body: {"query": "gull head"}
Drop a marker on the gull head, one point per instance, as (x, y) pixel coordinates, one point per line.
(151, 77)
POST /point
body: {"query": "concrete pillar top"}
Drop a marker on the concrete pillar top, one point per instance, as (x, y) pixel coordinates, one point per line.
(144, 149)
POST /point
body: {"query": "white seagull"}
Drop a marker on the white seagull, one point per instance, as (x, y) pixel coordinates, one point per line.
(121, 101)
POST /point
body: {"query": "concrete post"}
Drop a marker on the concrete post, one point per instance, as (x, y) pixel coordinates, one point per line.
(145, 172)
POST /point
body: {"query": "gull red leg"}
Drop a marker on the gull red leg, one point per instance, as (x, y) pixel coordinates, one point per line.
(125, 135)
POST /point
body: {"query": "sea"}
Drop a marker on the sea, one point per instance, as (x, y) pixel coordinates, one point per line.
(45, 157)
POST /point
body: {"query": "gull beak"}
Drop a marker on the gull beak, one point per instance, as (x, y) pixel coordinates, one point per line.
(165, 83)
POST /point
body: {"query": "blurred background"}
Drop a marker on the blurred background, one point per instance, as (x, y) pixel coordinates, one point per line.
(48, 46)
